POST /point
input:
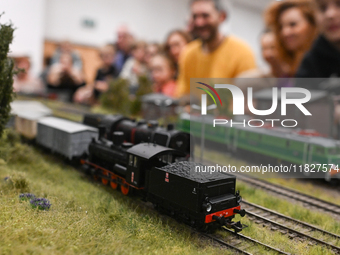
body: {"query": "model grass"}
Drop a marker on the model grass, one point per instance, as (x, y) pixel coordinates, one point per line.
(89, 218)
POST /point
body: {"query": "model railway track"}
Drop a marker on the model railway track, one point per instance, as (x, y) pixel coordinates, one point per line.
(293, 194)
(307, 200)
(242, 244)
(294, 228)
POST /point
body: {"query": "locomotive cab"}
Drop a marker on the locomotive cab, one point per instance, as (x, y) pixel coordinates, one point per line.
(145, 156)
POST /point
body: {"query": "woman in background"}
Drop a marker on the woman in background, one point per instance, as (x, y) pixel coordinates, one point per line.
(294, 25)
(175, 44)
(323, 60)
(163, 71)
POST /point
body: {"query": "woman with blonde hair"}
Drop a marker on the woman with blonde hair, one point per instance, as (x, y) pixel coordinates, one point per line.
(294, 25)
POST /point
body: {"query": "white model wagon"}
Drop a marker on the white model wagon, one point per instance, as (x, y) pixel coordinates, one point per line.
(65, 137)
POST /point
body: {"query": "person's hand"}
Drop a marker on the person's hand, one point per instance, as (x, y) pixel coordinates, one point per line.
(83, 95)
(101, 86)
(137, 69)
(279, 68)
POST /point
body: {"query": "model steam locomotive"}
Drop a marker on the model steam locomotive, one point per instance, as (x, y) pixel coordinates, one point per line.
(173, 186)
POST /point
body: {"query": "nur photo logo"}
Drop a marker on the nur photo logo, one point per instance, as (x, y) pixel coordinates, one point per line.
(239, 103)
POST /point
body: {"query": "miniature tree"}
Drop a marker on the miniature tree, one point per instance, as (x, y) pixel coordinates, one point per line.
(143, 89)
(117, 97)
(6, 75)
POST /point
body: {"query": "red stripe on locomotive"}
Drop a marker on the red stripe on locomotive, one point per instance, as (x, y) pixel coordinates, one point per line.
(225, 213)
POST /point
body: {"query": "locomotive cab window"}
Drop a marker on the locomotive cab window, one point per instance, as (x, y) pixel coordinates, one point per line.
(130, 160)
(135, 162)
(166, 158)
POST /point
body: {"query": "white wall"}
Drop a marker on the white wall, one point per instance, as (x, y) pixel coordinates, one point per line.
(148, 19)
(246, 21)
(28, 19)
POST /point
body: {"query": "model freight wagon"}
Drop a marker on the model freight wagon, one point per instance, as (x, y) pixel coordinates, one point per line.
(26, 123)
(68, 138)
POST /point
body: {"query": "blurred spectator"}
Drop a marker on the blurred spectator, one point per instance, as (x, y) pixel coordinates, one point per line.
(213, 55)
(323, 60)
(64, 78)
(175, 43)
(270, 55)
(151, 50)
(163, 71)
(135, 66)
(123, 46)
(294, 25)
(24, 82)
(106, 72)
(190, 28)
(65, 47)
(258, 79)
(46, 69)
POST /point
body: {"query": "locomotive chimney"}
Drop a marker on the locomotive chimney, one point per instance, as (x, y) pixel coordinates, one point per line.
(101, 132)
(152, 124)
(170, 127)
(118, 138)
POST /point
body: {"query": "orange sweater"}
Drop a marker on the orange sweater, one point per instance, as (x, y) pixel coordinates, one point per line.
(230, 59)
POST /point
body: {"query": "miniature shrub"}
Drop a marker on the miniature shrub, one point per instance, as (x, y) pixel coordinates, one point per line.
(17, 182)
(26, 196)
(40, 203)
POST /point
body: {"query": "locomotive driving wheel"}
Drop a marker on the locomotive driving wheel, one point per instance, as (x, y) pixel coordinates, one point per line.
(95, 177)
(105, 181)
(125, 189)
(113, 182)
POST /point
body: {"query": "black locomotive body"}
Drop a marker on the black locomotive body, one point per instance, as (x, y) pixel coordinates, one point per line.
(173, 186)
(136, 132)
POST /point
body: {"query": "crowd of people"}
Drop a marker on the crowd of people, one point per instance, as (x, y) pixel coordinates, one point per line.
(301, 39)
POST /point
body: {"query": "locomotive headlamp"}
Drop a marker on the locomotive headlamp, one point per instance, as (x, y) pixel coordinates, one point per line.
(208, 207)
(239, 199)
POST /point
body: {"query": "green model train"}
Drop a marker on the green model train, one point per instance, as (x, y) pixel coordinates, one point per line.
(311, 155)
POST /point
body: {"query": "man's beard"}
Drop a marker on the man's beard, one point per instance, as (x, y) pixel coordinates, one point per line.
(212, 35)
